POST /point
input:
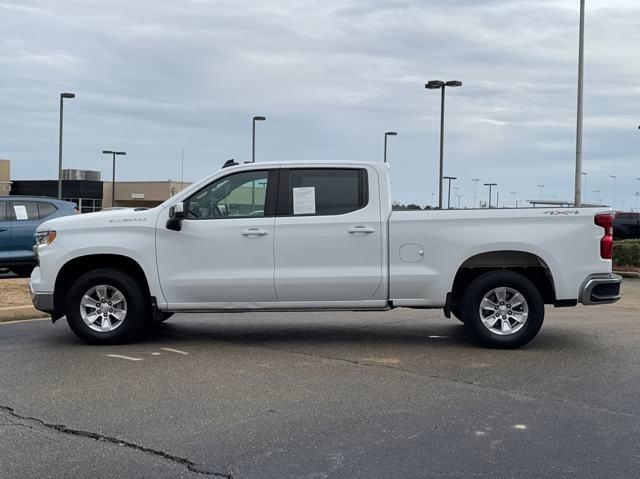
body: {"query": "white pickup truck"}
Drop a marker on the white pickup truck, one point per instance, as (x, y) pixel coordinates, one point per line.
(318, 236)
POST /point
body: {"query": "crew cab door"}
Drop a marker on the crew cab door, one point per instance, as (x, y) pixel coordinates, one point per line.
(328, 244)
(224, 250)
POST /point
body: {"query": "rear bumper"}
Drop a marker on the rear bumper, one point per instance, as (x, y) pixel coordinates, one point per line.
(601, 289)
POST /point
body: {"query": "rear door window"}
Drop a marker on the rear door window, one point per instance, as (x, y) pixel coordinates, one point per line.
(23, 211)
(45, 209)
(326, 191)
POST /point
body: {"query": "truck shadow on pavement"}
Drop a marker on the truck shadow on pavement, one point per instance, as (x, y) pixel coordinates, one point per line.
(435, 335)
(399, 333)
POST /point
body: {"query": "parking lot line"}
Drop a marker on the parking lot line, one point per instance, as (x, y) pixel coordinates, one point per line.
(120, 356)
(175, 351)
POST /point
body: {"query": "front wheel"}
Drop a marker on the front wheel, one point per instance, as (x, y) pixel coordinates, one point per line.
(107, 306)
(504, 309)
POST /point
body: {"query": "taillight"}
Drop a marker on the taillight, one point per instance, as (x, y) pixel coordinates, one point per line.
(606, 243)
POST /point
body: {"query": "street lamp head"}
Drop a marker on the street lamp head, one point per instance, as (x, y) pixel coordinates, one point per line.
(108, 152)
(491, 184)
(67, 95)
(391, 133)
(121, 152)
(259, 118)
(453, 83)
(434, 84)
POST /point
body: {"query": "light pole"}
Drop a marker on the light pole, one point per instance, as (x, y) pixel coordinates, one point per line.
(515, 202)
(459, 196)
(578, 194)
(253, 137)
(637, 195)
(434, 85)
(584, 173)
(613, 177)
(449, 195)
(62, 97)
(113, 177)
(541, 186)
(475, 190)
(389, 133)
(490, 185)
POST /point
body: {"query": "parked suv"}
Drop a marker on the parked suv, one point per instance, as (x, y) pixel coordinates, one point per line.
(19, 218)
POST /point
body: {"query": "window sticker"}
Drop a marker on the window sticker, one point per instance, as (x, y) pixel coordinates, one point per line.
(21, 212)
(304, 201)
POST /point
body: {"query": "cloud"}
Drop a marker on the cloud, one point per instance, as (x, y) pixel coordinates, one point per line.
(153, 77)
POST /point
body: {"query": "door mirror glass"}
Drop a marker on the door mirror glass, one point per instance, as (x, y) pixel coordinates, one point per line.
(179, 210)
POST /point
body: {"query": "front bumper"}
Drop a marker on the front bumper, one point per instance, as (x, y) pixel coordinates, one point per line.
(601, 289)
(41, 301)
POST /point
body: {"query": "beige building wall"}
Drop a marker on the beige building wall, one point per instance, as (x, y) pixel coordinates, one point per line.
(5, 177)
(140, 193)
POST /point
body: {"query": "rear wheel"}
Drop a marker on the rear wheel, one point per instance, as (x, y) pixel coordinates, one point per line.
(504, 309)
(107, 306)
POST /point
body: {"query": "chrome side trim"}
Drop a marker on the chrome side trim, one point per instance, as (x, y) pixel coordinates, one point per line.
(595, 280)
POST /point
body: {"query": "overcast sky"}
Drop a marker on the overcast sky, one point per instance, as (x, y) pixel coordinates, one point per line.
(154, 77)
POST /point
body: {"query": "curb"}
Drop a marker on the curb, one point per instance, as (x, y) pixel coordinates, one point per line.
(19, 313)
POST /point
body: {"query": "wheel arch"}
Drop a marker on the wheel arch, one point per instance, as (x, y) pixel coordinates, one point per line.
(530, 265)
(81, 264)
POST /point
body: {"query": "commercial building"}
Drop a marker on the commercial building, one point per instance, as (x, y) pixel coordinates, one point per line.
(5, 177)
(86, 189)
(140, 193)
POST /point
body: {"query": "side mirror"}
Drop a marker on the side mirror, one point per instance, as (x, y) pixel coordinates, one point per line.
(176, 214)
(179, 211)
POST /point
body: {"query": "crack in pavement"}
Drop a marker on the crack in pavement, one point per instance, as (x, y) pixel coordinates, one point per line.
(61, 428)
(515, 394)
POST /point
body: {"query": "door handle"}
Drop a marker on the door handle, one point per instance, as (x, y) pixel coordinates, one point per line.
(361, 229)
(3, 229)
(254, 232)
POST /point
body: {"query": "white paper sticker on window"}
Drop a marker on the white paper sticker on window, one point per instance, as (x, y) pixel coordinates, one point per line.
(304, 200)
(21, 212)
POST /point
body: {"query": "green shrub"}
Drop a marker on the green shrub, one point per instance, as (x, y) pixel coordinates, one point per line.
(626, 253)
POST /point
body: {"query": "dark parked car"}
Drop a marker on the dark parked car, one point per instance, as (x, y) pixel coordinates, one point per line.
(626, 226)
(19, 218)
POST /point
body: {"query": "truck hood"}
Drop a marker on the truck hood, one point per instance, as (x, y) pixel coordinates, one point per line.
(101, 219)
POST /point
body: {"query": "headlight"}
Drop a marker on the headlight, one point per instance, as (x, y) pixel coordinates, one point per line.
(45, 237)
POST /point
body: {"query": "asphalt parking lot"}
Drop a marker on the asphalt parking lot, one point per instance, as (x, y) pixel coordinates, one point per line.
(357, 395)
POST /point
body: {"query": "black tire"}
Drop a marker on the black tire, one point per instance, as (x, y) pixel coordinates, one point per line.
(483, 285)
(138, 308)
(22, 271)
